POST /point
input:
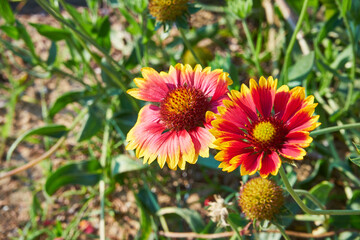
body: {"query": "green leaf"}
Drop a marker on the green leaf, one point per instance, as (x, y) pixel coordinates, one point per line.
(54, 34)
(192, 217)
(148, 199)
(354, 204)
(86, 173)
(301, 69)
(92, 125)
(145, 230)
(209, 162)
(134, 27)
(356, 161)
(123, 164)
(52, 54)
(357, 146)
(67, 98)
(11, 31)
(321, 192)
(103, 33)
(26, 37)
(6, 12)
(52, 130)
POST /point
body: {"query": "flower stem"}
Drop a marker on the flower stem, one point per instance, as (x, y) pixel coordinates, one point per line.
(188, 45)
(284, 73)
(103, 156)
(282, 231)
(252, 47)
(234, 228)
(305, 208)
(334, 129)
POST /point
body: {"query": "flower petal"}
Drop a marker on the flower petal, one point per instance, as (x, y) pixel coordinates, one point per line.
(245, 101)
(270, 164)
(263, 94)
(201, 138)
(251, 163)
(152, 87)
(301, 138)
(292, 152)
(295, 102)
(304, 120)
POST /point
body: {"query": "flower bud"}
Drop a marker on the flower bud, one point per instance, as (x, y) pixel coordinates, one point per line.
(261, 199)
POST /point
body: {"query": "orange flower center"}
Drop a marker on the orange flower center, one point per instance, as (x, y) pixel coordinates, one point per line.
(264, 132)
(184, 108)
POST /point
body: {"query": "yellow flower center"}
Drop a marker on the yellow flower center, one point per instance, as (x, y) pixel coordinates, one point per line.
(184, 108)
(167, 10)
(264, 131)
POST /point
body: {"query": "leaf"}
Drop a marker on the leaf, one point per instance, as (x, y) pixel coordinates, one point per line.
(209, 162)
(6, 12)
(26, 37)
(148, 199)
(86, 173)
(11, 31)
(123, 164)
(52, 54)
(134, 27)
(301, 69)
(321, 192)
(356, 161)
(192, 217)
(52, 130)
(145, 230)
(67, 98)
(354, 204)
(328, 27)
(92, 124)
(54, 34)
(103, 33)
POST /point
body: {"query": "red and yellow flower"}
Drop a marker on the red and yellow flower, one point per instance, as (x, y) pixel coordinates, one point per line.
(174, 129)
(259, 124)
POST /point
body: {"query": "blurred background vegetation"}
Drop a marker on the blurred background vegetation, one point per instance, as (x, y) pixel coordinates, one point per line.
(64, 72)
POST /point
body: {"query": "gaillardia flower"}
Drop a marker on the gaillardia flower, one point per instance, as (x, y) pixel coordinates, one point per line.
(175, 128)
(167, 10)
(258, 125)
(261, 199)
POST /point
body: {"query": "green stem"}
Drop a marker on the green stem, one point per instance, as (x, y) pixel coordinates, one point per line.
(353, 65)
(53, 13)
(282, 231)
(112, 75)
(188, 45)
(234, 228)
(251, 45)
(314, 200)
(305, 208)
(104, 150)
(334, 129)
(351, 38)
(284, 73)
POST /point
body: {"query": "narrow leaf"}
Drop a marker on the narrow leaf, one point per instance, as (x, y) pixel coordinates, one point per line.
(123, 163)
(192, 217)
(54, 34)
(53, 130)
(6, 12)
(85, 173)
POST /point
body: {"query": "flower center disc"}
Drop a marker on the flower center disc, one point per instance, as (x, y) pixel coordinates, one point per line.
(184, 108)
(264, 132)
